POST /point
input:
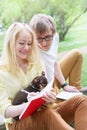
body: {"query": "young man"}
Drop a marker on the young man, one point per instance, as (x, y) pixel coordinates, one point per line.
(69, 67)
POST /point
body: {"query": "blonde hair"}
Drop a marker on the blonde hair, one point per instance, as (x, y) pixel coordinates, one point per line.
(8, 57)
(40, 23)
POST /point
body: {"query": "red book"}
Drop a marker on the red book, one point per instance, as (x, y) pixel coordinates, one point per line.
(32, 106)
(35, 103)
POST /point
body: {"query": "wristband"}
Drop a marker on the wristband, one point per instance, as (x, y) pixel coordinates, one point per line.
(63, 85)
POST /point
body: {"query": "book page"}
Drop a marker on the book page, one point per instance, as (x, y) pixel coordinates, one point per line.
(48, 87)
(64, 95)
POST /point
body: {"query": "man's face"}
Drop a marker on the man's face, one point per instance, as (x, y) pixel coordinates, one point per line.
(45, 40)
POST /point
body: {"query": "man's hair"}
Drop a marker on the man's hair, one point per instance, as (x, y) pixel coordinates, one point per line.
(40, 23)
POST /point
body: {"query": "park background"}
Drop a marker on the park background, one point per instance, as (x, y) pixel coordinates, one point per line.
(70, 17)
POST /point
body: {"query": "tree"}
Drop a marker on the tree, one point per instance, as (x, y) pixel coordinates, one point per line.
(65, 12)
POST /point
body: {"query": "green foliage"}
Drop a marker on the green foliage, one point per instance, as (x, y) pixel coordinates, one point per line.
(76, 36)
(1, 41)
(10, 12)
(65, 12)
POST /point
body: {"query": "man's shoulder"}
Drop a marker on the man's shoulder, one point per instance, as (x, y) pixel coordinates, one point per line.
(56, 39)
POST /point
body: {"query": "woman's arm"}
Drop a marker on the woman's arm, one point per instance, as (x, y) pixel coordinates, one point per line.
(13, 111)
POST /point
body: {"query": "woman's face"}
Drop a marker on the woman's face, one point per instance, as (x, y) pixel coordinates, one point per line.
(23, 45)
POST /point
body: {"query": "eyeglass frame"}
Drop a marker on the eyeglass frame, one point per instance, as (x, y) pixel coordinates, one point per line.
(46, 38)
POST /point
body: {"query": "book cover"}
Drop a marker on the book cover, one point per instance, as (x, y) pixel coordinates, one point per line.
(31, 107)
(35, 102)
(64, 95)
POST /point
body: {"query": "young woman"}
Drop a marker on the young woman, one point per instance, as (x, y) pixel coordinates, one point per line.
(19, 64)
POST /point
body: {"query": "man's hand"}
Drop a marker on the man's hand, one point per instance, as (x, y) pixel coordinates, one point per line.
(70, 88)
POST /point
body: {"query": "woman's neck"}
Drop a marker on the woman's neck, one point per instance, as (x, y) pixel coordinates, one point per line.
(23, 64)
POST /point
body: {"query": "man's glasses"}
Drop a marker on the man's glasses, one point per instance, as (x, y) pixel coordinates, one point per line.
(46, 38)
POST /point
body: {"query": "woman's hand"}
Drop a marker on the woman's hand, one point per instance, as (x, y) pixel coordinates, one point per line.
(49, 96)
